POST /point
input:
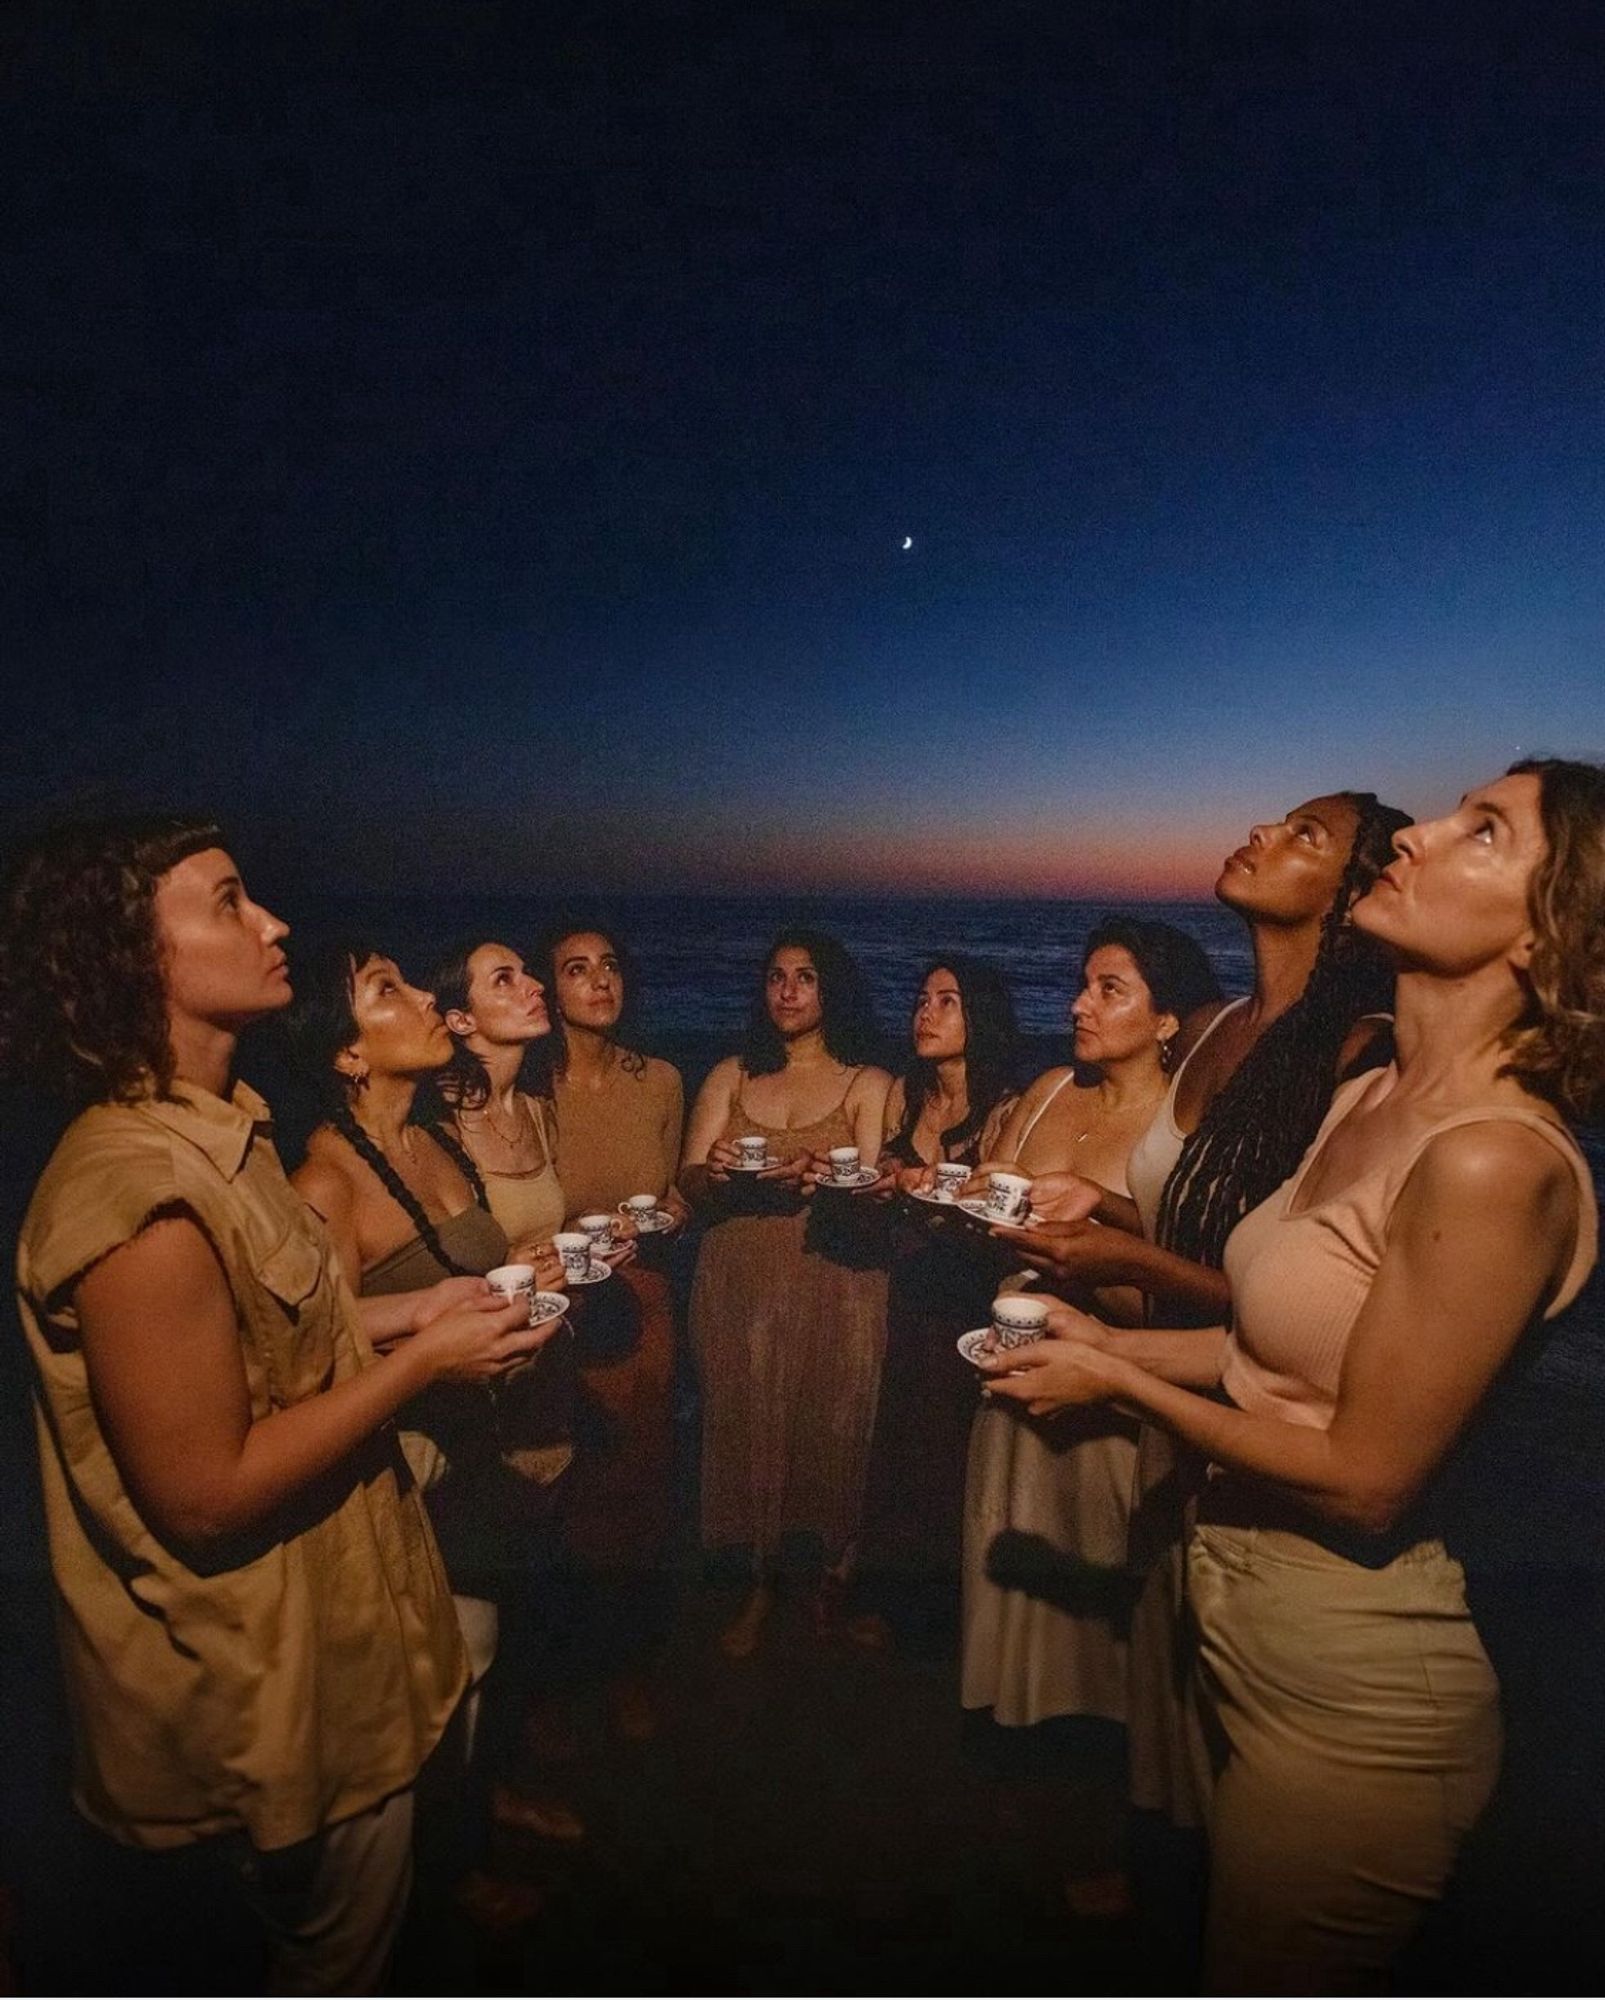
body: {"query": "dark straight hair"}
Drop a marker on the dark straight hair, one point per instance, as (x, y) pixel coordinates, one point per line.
(991, 1051)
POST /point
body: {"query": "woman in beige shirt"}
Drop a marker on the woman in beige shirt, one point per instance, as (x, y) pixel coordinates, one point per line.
(1443, 1209)
(229, 1519)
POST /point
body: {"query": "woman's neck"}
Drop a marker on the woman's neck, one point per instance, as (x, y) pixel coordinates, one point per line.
(203, 1054)
(589, 1059)
(1132, 1080)
(1284, 958)
(949, 1094)
(502, 1061)
(383, 1109)
(807, 1049)
(1450, 1034)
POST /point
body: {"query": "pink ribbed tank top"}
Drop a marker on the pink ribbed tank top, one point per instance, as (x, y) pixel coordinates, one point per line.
(1299, 1280)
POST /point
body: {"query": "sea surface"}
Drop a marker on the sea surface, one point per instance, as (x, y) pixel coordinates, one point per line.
(698, 957)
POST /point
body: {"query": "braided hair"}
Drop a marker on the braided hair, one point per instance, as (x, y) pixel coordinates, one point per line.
(1262, 1121)
(320, 1024)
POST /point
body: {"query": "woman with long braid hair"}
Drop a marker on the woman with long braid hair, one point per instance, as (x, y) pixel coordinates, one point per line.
(405, 1206)
(1246, 1098)
(1441, 1213)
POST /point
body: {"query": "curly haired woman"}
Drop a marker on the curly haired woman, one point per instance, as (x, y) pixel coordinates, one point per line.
(229, 1518)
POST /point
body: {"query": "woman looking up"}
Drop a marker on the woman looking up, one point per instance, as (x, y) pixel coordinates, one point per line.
(956, 1088)
(228, 1517)
(405, 1206)
(1244, 1101)
(620, 1119)
(1442, 1211)
(788, 1313)
(497, 1088)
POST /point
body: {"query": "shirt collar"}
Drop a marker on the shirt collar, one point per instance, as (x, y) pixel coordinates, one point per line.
(223, 1130)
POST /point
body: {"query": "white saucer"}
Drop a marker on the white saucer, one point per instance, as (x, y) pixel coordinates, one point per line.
(977, 1207)
(933, 1199)
(969, 1344)
(865, 1177)
(595, 1274)
(741, 1167)
(545, 1307)
(651, 1225)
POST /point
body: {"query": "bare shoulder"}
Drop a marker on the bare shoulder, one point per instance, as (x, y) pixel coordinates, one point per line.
(1496, 1166)
(323, 1179)
(721, 1082)
(869, 1086)
(1043, 1086)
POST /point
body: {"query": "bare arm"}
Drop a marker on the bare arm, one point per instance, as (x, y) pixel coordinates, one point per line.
(1082, 1254)
(1479, 1234)
(705, 1163)
(162, 1350)
(866, 1113)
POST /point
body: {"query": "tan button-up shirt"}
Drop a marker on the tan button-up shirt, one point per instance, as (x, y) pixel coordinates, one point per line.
(302, 1678)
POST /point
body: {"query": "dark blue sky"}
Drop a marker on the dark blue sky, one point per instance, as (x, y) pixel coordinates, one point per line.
(474, 443)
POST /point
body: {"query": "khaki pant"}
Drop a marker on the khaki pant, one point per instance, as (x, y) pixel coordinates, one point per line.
(332, 1905)
(1358, 1722)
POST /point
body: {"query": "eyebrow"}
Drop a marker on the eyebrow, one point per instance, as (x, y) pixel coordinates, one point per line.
(226, 882)
(1486, 805)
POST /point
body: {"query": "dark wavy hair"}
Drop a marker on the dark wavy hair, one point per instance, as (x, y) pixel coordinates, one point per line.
(83, 996)
(320, 1023)
(1175, 967)
(627, 1026)
(1260, 1124)
(1557, 1048)
(464, 1085)
(991, 1051)
(847, 1018)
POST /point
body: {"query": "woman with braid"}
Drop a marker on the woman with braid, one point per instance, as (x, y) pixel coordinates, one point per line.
(405, 1206)
(1442, 1212)
(1245, 1100)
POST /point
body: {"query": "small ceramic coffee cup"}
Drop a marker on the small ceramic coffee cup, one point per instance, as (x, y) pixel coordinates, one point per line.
(844, 1165)
(599, 1228)
(642, 1209)
(754, 1150)
(1018, 1319)
(1008, 1197)
(574, 1247)
(514, 1281)
(950, 1177)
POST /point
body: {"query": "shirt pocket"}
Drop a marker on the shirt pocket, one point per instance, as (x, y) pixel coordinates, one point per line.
(298, 1317)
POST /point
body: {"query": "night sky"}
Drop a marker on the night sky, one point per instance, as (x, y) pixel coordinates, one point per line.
(473, 444)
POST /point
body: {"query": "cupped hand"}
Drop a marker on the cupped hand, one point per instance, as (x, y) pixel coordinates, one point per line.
(547, 1264)
(1065, 1197)
(1049, 1375)
(476, 1342)
(1074, 1253)
(436, 1299)
(793, 1172)
(620, 1253)
(723, 1154)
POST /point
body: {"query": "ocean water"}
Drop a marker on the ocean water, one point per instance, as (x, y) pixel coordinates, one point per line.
(698, 957)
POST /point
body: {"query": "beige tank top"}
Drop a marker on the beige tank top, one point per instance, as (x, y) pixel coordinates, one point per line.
(529, 1206)
(1299, 1280)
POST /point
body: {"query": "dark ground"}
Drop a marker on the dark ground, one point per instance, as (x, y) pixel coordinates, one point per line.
(817, 1819)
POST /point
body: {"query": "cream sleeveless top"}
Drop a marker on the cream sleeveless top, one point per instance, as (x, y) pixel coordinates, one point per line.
(529, 1206)
(1299, 1280)
(1155, 1154)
